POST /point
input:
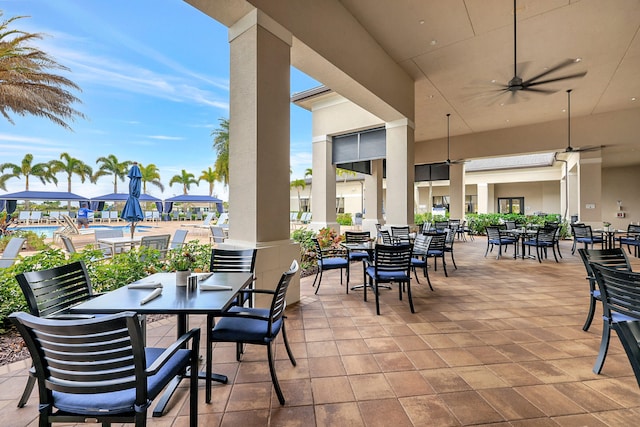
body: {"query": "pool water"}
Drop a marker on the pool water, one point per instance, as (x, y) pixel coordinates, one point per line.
(47, 230)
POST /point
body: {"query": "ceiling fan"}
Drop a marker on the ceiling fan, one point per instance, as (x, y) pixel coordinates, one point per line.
(518, 84)
(449, 161)
(571, 149)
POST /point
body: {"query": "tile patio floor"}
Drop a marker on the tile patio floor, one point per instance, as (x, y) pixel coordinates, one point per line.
(499, 342)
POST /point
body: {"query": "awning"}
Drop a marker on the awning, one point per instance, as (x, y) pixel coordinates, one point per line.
(122, 197)
(43, 195)
(193, 198)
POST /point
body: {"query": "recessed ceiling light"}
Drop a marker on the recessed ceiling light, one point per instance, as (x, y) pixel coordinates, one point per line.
(577, 60)
(507, 119)
(633, 98)
(433, 42)
(421, 22)
(493, 81)
(564, 110)
(502, 104)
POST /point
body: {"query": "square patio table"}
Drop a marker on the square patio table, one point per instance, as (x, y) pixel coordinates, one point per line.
(179, 300)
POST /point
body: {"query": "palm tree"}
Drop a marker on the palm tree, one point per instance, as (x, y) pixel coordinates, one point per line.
(150, 174)
(112, 166)
(43, 171)
(71, 165)
(299, 184)
(308, 172)
(26, 85)
(210, 176)
(186, 179)
(221, 145)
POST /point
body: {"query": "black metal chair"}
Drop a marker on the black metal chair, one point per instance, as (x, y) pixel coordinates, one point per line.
(50, 294)
(613, 258)
(330, 259)
(632, 238)
(385, 235)
(228, 261)
(437, 249)
(629, 334)
(544, 239)
(259, 326)
(450, 236)
(419, 257)
(497, 236)
(392, 263)
(98, 370)
(357, 237)
(584, 234)
(620, 292)
(400, 234)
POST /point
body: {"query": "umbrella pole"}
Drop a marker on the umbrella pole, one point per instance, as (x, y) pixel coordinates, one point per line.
(133, 228)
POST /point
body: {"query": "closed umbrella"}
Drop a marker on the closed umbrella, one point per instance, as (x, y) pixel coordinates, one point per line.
(132, 212)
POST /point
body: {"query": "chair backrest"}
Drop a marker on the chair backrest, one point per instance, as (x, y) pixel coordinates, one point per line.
(233, 260)
(612, 258)
(159, 243)
(400, 233)
(511, 225)
(421, 244)
(36, 215)
(208, 218)
(393, 258)
(620, 290)
(386, 237)
(279, 302)
(179, 238)
(223, 218)
(633, 229)
(438, 242)
(90, 356)
(546, 235)
(449, 236)
(441, 225)
(581, 231)
(70, 225)
(24, 216)
(54, 290)
(493, 232)
(11, 251)
(356, 236)
(217, 232)
(68, 244)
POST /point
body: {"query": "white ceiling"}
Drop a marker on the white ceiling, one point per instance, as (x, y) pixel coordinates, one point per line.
(455, 48)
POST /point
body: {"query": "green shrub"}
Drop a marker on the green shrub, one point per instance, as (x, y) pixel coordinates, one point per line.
(305, 238)
(344, 219)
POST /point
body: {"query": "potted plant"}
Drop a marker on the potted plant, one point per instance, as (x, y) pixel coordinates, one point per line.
(607, 226)
(181, 262)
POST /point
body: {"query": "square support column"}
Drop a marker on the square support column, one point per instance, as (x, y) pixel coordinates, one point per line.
(456, 191)
(323, 185)
(400, 172)
(259, 127)
(590, 196)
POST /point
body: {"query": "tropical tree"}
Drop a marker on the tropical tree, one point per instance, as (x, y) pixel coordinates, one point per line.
(110, 165)
(299, 184)
(70, 166)
(308, 172)
(150, 174)
(27, 86)
(26, 168)
(186, 179)
(221, 145)
(209, 176)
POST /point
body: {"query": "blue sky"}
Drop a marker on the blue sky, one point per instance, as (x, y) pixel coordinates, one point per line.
(155, 81)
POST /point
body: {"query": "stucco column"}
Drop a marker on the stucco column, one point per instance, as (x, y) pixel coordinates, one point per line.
(456, 191)
(259, 146)
(590, 191)
(485, 197)
(323, 185)
(373, 198)
(400, 172)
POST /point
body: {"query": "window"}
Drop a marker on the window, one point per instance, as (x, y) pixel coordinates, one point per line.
(441, 202)
(339, 205)
(514, 205)
(305, 205)
(471, 204)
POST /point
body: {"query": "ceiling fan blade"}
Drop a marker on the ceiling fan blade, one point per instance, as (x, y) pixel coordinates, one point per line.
(538, 90)
(570, 76)
(553, 69)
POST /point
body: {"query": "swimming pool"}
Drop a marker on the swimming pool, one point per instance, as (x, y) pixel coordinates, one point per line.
(47, 230)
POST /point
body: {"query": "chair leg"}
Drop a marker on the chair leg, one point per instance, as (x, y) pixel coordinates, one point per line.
(193, 387)
(28, 388)
(592, 310)
(286, 343)
(454, 261)
(274, 377)
(415, 273)
(409, 295)
(209, 360)
(604, 347)
(320, 281)
(444, 266)
(426, 274)
(375, 291)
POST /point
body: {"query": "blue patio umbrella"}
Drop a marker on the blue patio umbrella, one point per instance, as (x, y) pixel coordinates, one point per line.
(132, 212)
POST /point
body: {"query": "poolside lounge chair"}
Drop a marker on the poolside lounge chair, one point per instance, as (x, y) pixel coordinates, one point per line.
(69, 227)
(206, 223)
(24, 217)
(217, 234)
(223, 220)
(179, 238)
(54, 217)
(10, 254)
